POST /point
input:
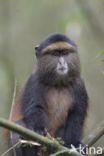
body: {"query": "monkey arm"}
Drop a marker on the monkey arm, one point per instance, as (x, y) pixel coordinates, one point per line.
(74, 129)
(31, 114)
(34, 107)
(37, 120)
(76, 118)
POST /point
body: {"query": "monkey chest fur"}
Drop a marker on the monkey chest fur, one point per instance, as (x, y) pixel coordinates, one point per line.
(59, 103)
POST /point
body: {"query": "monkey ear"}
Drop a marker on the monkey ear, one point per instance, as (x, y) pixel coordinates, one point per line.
(36, 49)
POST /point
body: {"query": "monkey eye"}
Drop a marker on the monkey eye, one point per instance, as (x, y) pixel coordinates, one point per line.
(55, 53)
(68, 51)
(65, 52)
(60, 52)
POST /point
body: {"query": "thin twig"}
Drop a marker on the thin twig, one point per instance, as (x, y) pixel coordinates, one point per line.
(11, 148)
(29, 142)
(13, 99)
(13, 103)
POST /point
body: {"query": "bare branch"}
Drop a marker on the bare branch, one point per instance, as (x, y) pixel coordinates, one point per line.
(28, 134)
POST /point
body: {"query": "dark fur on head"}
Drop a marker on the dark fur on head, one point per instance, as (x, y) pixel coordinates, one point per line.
(53, 39)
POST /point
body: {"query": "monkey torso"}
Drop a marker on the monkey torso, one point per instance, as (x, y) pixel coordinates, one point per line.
(59, 102)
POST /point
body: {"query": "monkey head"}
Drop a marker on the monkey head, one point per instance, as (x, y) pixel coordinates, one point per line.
(58, 59)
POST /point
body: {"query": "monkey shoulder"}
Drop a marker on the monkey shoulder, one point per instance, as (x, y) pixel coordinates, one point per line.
(31, 81)
(32, 86)
(32, 93)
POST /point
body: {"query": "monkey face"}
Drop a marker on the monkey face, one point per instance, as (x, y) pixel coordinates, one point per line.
(58, 59)
(68, 64)
(59, 65)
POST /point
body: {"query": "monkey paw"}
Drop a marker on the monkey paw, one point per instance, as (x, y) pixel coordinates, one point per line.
(41, 131)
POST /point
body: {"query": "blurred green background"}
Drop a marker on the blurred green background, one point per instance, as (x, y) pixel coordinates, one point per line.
(24, 23)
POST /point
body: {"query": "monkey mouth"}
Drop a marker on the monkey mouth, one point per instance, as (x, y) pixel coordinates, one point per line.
(62, 71)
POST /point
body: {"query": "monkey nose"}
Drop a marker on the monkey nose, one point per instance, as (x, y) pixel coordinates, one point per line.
(61, 61)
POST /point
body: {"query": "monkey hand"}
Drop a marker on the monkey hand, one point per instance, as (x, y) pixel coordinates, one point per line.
(14, 137)
(41, 131)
